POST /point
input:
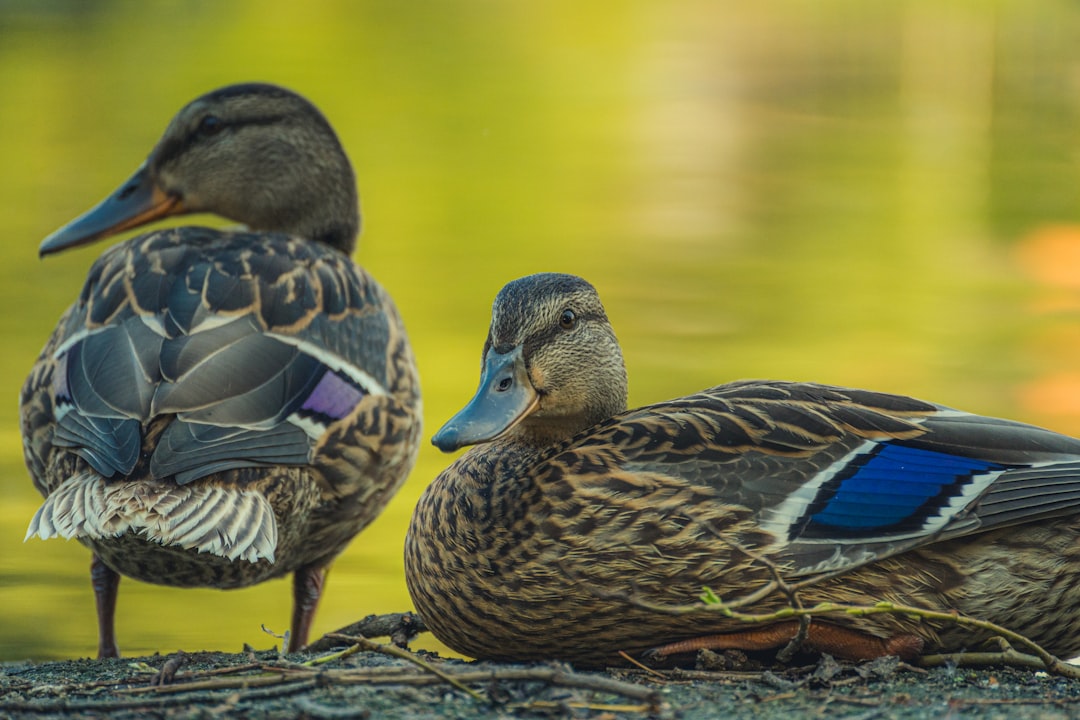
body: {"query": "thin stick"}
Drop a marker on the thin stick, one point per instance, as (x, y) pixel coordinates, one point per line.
(323, 659)
(394, 651)
(633, 661)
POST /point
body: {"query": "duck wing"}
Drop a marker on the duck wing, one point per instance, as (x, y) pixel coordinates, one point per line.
(832, 478)
(253, 343)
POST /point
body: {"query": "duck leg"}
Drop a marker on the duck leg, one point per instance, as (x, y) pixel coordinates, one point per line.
(105, 582)
(822, 637)
(308, 583)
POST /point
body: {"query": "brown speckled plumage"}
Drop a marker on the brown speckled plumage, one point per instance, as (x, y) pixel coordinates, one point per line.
(218, 408)
(571, 520)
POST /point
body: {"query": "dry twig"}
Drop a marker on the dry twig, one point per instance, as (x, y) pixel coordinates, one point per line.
(399, 627)
(394, 651)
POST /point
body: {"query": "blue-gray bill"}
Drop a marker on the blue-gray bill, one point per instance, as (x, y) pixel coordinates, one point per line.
(136, 202)
(505, 396)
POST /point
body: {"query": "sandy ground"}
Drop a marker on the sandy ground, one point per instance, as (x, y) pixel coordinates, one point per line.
(371, 684)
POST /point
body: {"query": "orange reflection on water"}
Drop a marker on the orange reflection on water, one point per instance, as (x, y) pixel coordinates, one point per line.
(1050, 255)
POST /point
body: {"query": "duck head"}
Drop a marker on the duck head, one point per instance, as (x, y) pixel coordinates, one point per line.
(254, 153)
(551, 367)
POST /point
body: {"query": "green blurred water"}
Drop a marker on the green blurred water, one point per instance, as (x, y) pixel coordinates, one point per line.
(873, 194)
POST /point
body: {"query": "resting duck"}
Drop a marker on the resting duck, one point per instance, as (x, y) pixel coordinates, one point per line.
(222, 407)
(574, 523)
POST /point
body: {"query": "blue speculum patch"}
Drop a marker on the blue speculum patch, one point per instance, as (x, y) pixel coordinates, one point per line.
(895, 488)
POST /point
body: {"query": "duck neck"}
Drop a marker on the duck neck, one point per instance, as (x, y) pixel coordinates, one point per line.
(534, 434)
(341, 235)
(339, 224)
(332, 219)
(546, 428)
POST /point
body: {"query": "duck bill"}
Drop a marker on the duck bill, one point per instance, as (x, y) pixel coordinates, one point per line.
(137, 202)
(505, 396)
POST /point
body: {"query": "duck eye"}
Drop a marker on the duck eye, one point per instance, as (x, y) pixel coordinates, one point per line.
(568, 319)
(210, 125)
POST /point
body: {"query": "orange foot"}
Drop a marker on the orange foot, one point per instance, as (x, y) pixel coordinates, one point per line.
(822, 637)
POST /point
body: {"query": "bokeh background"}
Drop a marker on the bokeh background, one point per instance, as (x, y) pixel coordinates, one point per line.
(881, 195)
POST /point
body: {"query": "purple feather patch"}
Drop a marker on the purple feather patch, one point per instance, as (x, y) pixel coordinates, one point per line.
(334, 397)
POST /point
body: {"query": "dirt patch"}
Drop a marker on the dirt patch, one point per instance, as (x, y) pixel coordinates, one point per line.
(373, 685)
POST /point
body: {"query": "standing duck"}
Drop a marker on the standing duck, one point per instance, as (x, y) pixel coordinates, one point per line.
(222, 407)
(574, 523)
